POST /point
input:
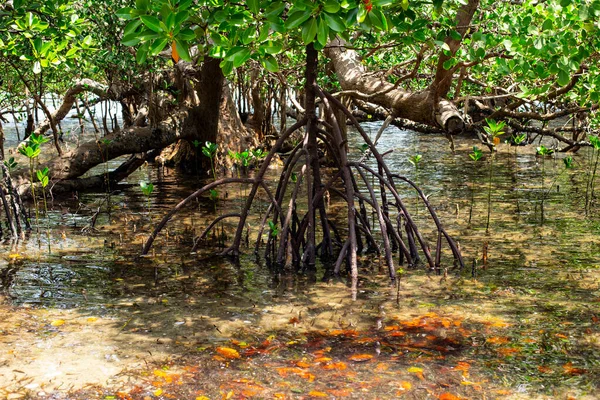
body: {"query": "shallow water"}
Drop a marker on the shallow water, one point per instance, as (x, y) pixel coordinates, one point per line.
(523, 322)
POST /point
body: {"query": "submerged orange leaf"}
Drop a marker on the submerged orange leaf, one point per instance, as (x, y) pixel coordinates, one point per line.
(340, 392)
(544, 369)
(464, 367)
(508, 351)
(343, 332)
(314, 393)
(448, 396)
(361, 357)
(571, 370)
(340, 366)
(498, 340)
(382, 367)
(560, 335)
(417, 371)
(228, 352)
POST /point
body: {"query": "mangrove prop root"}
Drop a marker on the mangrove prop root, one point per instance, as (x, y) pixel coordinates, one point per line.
(298, 226)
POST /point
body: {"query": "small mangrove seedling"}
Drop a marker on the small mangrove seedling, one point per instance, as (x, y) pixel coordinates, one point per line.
(10, 164)
(32, 150)
(415, 160)
(258, 154)
(214, 196)
(543, 152)
(273, 232)
(106, 142)
(494, 130)
(210, 151)
(147, 189)
(594, 158)
(44, 179)
(245, 160)
(569, 164)
(196, 144)
(476, 155)
(518, 139)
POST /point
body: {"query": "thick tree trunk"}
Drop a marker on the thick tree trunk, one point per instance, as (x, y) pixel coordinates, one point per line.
(421, 107)
(200, 122)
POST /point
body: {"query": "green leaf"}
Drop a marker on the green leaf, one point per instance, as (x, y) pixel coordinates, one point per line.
(238, 55)
(182, 50)
(185, 4)
(187, 34)
(274, 10)
(334, 22)
(158, 45)
(296, 19)
(309, 30)
(271, 47)
(131, 28)
(142, 4)
(376, 21)
(322, 31)
(226, 66)
(331, 6)
(130, 40)
(124, 13)
(253, 5)
(152, 23)
(142, 53)
(563, 77)
(270, 63)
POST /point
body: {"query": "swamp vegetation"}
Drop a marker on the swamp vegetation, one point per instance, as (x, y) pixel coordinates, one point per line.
(309, 199)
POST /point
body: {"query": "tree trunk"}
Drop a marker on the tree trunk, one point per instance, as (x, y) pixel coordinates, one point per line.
(421, 107)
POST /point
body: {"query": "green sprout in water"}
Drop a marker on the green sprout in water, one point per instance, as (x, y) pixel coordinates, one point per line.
(363, 148)
(147, 189)
(258, 154)
(10, 164)
(543, 152)
(213, 194)
(210, 151)
(494, 130)
(32, 149)
(476, 155)
(593, 160)
(520, 138)
(44, 180)
(106, 142)
(415, 160)
(568, 161)
(273, 229)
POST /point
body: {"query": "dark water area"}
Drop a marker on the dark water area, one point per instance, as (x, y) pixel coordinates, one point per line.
(523, 314)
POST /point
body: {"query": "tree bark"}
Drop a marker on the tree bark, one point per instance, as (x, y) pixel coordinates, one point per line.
(421, 107)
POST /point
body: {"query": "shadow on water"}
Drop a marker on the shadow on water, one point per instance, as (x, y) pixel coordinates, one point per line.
(522, 320)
